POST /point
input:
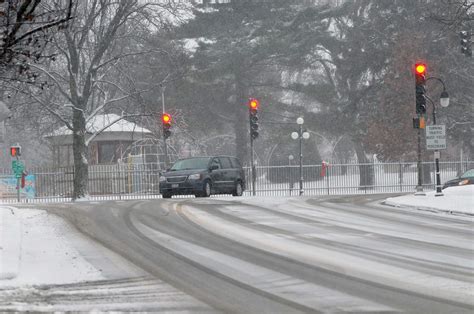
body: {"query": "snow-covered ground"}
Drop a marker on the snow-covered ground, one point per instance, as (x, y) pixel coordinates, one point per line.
(459, 199)
(46, 265)
(36, 248)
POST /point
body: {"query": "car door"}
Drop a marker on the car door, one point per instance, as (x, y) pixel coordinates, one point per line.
(217, 175)
(229, 175)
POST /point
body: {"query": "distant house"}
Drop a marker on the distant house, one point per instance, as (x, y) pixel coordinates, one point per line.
(108, 147)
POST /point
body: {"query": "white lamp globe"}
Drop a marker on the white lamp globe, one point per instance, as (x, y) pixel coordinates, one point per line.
(300, 120)
(294, 135)
(290, 157)
(305, 135)
(444, 99)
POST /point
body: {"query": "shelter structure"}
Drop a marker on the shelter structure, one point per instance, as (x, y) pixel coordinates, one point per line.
(108, 147)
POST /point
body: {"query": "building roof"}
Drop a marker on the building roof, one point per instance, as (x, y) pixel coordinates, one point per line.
(99, 122)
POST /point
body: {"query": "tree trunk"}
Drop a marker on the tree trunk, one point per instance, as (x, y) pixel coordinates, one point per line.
(81, 170)
(366, 169)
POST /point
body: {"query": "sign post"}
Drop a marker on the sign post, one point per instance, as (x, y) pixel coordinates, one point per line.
(436, 140)
(18, 168)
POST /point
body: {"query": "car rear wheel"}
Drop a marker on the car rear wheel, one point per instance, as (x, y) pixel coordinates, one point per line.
(238, 190)
(166, 195)
(207, 189)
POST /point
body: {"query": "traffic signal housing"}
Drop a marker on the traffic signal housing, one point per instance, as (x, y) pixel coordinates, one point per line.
(420, 79)
(466, 43)
(166, 121)
(253, 117)
(15, 151)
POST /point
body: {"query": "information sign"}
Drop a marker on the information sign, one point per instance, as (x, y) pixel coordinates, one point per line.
(436, 137)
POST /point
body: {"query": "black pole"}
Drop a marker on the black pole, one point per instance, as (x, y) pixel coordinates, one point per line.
(165, 148)
(252, 162)
(18, 182)
(439, 191)
(301, 159)
(419, 187)
(252, 165)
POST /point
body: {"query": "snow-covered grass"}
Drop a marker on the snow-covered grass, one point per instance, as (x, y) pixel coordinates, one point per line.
(459, 199)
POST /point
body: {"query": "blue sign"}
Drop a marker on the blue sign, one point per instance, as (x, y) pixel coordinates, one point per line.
(8, 187)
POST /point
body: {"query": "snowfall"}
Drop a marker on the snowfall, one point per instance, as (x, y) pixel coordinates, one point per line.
(38, 248)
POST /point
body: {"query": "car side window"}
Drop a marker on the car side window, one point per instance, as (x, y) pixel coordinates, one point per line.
(236, 163)
(225, 162)
(216, 162)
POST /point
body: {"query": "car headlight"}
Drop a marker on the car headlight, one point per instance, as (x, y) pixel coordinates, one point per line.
(162, 179)
(464, 182)
(195, 176)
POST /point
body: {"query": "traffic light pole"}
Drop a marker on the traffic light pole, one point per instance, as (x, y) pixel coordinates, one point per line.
(419, 187)
(165, 145)
(252, 169)
(253, 105)
(165, 148)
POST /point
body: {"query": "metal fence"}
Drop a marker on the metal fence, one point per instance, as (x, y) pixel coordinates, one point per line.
(137, 181)
(351, 178)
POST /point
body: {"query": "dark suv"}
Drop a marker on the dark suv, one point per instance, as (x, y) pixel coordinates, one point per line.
(203, 176)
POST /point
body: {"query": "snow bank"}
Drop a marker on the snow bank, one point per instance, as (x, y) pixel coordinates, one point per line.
(459, 199)
(34, 249)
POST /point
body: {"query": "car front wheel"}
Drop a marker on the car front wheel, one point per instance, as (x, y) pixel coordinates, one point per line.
(166, 195)
(238, 190)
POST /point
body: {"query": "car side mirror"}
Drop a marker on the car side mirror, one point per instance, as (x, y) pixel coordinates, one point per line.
(213, 167)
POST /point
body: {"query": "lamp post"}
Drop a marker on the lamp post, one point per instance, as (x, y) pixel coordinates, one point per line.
(444, 101)
(290, 176)
(301, 134)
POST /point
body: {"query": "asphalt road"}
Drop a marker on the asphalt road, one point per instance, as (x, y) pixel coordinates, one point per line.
(245, 255)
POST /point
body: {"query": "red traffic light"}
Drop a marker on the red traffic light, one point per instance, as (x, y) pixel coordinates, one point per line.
(253, 104)
(420, 68)
(15, 151)
(166, 118)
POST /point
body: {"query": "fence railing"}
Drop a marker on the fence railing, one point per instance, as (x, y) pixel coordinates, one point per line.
(135, 181)
(351, 178)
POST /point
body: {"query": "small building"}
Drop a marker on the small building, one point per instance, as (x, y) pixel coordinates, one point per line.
(110, 146)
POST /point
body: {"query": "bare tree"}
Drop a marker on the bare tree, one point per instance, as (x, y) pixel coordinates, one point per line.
(87, 76)
(26, 27)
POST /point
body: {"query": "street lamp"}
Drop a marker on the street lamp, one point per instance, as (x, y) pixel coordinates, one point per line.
(300, 135)
(444, 101)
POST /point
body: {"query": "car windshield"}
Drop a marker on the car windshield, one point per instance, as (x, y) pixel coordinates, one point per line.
(192, 163)
(468, 174)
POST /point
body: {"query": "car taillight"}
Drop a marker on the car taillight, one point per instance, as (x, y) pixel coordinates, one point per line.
(464, 182)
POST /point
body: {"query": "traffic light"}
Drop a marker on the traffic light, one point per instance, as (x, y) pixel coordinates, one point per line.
(466, 43)
(15, 151)
(166, 121)
(253, 117)
(420, 71)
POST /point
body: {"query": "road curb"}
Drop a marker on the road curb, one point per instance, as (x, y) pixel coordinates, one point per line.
(425, 208)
